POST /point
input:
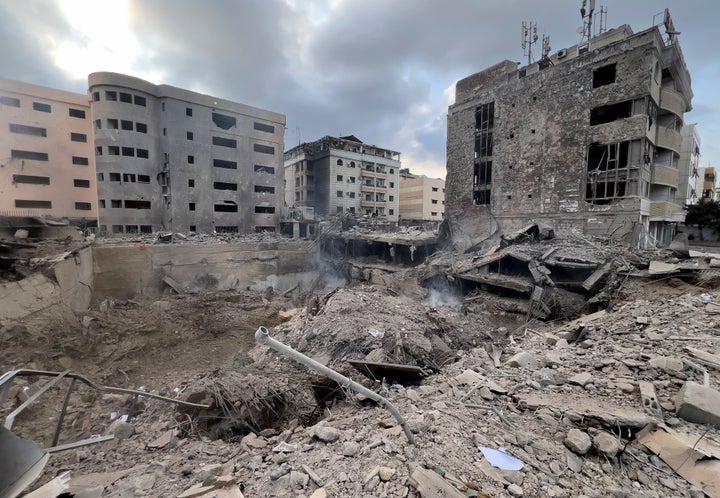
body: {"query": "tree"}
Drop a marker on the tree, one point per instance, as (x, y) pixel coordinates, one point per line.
(704, 214)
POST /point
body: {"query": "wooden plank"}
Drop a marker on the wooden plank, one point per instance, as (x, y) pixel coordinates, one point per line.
(430, 485)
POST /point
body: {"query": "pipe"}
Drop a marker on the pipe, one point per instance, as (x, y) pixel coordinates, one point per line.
(263, 337)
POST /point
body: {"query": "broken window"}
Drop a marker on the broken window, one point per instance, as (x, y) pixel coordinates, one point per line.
(262, 189)
(612, 171)
(223, 121)
(81, 161)
(81, 183)
(189, 135)
(98, 150)
(191, 183)
(27, 154)
(128, 152)
(131, 229)
(135, 204)
(608, 156)
(226, 229)
(143, 179)
(339, 193)
(610, 112)
(110, 95)
(125, 97)
(263, 127)
(227, 207)
(101, 203)
(339, 178)
(28, 130)
(188, 111)
(143, 153)
(33, 180)
(191, 159)
(264, 209)
(139, 100)
(264, 169)
(112, 124)
(604, 76)
(224, 142)
(21, 203)
(76, 113)
(219, 163)
(652, 109)
(482, 177)
(117, 229)
(114, 177)
(129, 178)
(225, 186)
(264, 149)
(191, 206)
(339, 162)
(78, 137)
(39, 106)
(141, 127)
(83, 206)
(126, 125)
(114, 150)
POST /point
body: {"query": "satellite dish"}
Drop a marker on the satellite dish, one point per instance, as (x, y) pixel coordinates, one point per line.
(580, 30)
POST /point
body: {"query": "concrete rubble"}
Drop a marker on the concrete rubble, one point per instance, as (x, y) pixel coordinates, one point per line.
(578, 382)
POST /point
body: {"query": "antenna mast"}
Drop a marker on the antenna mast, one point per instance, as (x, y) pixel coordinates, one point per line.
(587, 16)
(529, 37)
(602, 21)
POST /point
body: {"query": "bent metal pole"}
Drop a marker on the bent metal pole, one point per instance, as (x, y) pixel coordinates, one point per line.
(263, 337)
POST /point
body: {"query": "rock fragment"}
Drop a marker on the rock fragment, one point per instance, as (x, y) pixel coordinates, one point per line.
(578, 441)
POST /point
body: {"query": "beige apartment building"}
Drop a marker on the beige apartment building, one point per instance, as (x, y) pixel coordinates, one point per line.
(689, 165)
(343, 175)
(171, 159)
(47, 165)
(421, 198)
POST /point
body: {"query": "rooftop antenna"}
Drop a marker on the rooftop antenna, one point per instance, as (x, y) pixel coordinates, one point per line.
(586, 12)
(545, 46)
(602, 20)
(529, 37)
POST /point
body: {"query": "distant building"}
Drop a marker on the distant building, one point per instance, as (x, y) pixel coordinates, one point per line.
(707, 183)
(341, 175)
(421, 198)
(586, 139)
(47, 165)
(176, 160)
(688, 165)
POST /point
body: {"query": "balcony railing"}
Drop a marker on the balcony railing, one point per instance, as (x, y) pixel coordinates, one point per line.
(669, 139)
(665, 176)
(672, 101)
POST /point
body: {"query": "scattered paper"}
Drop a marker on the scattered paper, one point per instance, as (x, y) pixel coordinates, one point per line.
(500, 459)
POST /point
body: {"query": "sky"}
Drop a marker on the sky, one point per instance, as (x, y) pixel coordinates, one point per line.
(382, 70)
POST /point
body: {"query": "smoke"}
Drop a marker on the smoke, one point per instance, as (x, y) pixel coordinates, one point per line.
(441, 294)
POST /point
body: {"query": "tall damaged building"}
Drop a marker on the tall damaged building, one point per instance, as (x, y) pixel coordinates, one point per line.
(587, 139)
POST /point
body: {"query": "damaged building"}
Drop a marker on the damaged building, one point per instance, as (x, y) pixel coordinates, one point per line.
(343, 175)
(172, 159)
(586, 139)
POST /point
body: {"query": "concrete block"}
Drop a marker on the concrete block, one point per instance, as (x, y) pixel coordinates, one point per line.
(699, 404)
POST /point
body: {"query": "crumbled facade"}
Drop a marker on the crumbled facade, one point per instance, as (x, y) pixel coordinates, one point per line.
(587, 139)
(172, 159)
(343, 175)
(47, 166)
(689, 164)
(421, 198)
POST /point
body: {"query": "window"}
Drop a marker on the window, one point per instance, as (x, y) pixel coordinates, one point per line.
(76, 113)
(391, 198)
(131, 229)
(352, 164)
(115, 203)
(39, 106)
(117, 229)
(139, 100)
(191, 159)
(433, 213)
(162, 106)
(264, 209)
(81, 183)
(21, 203)
(80, 161)
(264, 229)
(434, 189)
(28, 130)
(262, 189)
(134, 204)
(125, 97)
(114, 177)
(351, 195)
(146, 228)
(10, 101)
(226, 208)
(339, 209)
(219, 163)
(126, 125)
(434, 201)
(339, 178)
(101, 203)
(610, 112)
(392, 171)
(264, 149)
(110, 95)
(339, 162)
(351, 179)
(128, 152)
(604, 76)
(101, 177)
(482, 174)
(264, 169)
(263, 127)
(224, 142)
(225, 186)
(113, 150)
(143, 153)
(223, 121)
(392, 184)
(143, 179)
(96, 96)
(191, 206)
(27, 154)
(141, 127)
(83, 206)
(32, 180)
(164, 132)
(98, 124)
(339, 193)
(192, 228)
(191, 183)
(226, 229)
(188, 111)
(189, 135)
(112, 124)
(129, 177)
(78, 137)
(391, 212)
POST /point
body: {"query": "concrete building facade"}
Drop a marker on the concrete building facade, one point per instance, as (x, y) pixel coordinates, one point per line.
(707, 184)
(47, 165)
(176, 160)
(689, 165)
(340, 175)
(587, 139)
(421, 198)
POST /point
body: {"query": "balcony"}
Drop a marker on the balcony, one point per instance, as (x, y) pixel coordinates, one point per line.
(666, 211)
(668, 138)
(367, 188)
(672, 101)
(663, 175)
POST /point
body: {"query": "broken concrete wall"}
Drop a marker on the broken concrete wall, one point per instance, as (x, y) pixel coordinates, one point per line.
(124, 272)
(74, 277)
